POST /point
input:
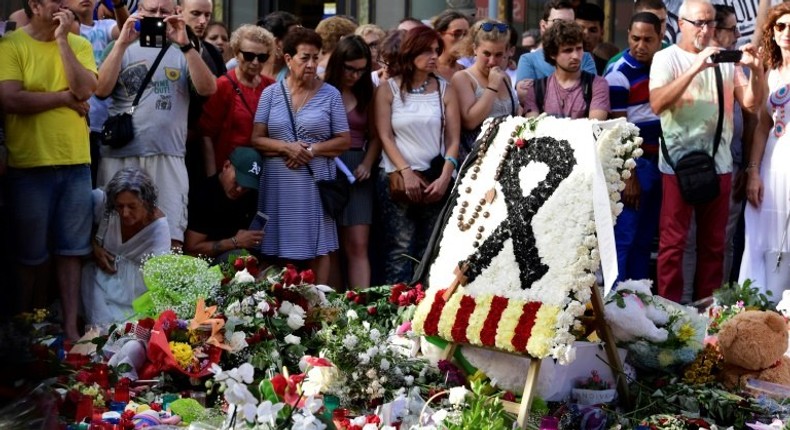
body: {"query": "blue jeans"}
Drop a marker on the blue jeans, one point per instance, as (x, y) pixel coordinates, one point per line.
(407, 230)
(51, 208)
(636, 230)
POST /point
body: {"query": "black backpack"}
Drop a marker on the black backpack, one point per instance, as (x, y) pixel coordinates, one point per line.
(587, 83)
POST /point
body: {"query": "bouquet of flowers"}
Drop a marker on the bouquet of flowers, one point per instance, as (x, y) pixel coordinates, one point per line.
(175, 282)
(371, 370)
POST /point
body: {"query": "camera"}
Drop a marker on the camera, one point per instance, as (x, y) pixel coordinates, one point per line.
(727, 56)
(153, 32)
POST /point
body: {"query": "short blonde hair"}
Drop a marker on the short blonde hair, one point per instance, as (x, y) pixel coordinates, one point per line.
(365, 29)
(332, 29)
(253, 33)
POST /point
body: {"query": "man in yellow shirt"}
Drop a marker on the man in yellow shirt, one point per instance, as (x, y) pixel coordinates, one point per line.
(46, 77)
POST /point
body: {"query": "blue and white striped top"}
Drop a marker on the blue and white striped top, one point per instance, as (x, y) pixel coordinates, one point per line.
(298, 227)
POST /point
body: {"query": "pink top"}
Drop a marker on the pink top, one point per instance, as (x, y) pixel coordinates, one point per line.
(358, 124)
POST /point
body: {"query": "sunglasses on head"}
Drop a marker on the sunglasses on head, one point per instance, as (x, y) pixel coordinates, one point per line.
(489, 26)
(780, 26)
(249, 56)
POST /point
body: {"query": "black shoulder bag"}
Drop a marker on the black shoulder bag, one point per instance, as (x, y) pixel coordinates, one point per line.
(334, 192)
(118, 130)
(696, 171)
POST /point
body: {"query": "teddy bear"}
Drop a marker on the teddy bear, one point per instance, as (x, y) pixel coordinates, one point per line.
(632, 315)
(752, 345)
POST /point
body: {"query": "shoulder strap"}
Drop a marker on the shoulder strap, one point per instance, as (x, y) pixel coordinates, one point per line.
(441, 109)
(149, 75)
(587, 84)
(510, 93)
(719, 123)
(238, 91)
(540, 92)
(293, 122)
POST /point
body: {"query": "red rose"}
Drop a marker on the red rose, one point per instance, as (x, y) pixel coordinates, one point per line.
(308, 277)
(520, 143)
(372, 310)
(238, 264)
(395, 294)
(291, 276)
(351, 295)
(509, 397)
(156, 407)
(85, 377)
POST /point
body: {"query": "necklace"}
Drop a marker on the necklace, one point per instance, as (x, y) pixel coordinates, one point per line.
(303, 101)
(420, 89)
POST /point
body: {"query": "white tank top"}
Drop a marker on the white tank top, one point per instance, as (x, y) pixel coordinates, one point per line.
(417, 126)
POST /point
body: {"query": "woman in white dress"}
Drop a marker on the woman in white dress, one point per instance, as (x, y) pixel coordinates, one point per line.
(130, 228)
(768, 186)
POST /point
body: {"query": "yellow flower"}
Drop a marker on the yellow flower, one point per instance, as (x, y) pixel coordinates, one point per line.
(666, 358)
(449, 313)
(508, 323)
(539, 343)
(182, 353)
(686, 332)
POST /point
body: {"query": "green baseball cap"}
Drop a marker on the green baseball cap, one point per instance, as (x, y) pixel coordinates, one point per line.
(249, 166)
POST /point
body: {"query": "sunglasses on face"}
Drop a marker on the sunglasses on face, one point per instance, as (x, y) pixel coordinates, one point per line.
(489, 26)
(457, 34)
(249, 56)
(780, 27)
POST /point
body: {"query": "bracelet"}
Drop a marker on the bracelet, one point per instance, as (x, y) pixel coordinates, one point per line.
(492, 89)
(402, 169)
(453, 161)
(235, 242)
(750, 166)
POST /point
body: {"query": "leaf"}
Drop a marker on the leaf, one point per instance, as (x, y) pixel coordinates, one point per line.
(267, 391)
(123, 368)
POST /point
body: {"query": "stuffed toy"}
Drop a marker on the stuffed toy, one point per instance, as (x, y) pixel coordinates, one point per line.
(752, 346)
(632, 315)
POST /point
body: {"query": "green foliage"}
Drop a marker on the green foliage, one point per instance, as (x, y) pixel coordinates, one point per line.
(751, 298)
(481, 411)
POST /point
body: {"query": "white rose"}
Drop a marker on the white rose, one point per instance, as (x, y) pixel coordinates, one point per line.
(352, 314)
(295, 321)
(457, 395)
(293, 340)
(243, 277)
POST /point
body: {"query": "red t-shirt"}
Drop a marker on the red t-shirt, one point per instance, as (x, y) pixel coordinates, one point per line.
(226, 119)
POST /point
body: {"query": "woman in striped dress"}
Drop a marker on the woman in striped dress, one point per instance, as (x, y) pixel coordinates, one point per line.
(300, 122)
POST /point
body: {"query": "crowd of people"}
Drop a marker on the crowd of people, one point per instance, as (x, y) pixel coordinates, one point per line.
(224, 127)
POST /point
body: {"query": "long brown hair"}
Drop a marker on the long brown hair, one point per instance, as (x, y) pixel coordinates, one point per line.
(417, 41)
(772, 55)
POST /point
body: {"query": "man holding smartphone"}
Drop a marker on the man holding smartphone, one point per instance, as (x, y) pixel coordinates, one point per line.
(221, 210)
(47, 75)
(160, 118)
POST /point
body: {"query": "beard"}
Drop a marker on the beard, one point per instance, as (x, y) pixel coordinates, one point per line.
(700, 44)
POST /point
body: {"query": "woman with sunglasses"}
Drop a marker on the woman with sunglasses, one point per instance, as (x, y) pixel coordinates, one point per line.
(348, 70)
(227, 115)
(300, 127)
(484, 90)
(452, 26)
(418, 123)
(768, 177)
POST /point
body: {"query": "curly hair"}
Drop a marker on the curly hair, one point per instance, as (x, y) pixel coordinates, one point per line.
(560, 34)
(772, 55)
(365, 29)
(253, 33)
(300, 36)
(332, 29)
(135, 181)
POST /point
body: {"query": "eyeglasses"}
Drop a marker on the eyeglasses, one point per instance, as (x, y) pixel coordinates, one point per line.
(249, 56)
(157, 11)
(780, 27)
(700, 23)
(733, 29)
(457, 34)
(353, 70)
(489, 26)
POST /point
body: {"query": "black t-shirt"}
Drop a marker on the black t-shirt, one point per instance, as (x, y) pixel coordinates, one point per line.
(212, 213)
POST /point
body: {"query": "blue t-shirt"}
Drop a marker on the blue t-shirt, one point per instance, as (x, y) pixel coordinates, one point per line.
(533, 65)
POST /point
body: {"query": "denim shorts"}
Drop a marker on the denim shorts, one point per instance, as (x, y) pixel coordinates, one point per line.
(51, 210)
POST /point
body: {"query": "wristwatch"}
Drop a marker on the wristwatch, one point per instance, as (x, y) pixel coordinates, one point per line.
(186, 48)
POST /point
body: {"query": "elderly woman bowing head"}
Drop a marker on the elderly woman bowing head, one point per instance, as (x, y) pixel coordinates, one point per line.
(300, 127)
(130, 227)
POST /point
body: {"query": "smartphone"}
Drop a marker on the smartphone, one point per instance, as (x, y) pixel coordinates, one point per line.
(259, 222)
(153, 32)
(727, 56)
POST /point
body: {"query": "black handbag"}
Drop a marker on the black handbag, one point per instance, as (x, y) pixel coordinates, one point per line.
(696, 171)
(118, 130)
(334, 193)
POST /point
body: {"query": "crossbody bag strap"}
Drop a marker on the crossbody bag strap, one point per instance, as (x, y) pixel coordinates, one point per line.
(587, 88)
(719, 123)
(149, 75)
(510, 93)
(442, 148)
(238, 91)
(293, 122)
